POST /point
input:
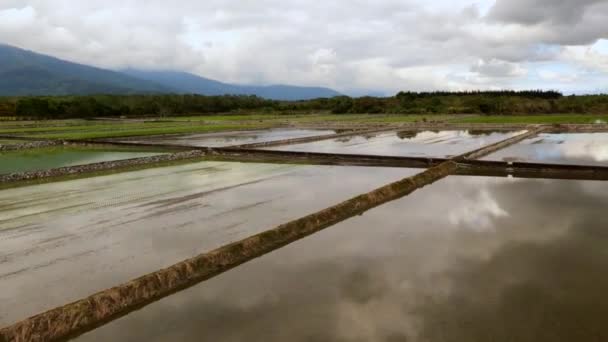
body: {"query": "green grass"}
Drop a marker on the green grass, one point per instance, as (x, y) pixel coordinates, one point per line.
(11, 142)
(307, 118)
(240, 117)
(144, 131)
(82, 129)
(535, 119)
(98, 127)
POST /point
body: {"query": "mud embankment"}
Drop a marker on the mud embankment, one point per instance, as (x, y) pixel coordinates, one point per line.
(29, 145)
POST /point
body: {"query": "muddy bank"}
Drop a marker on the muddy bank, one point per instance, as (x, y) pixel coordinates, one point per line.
(97, 167)
(109, 143)
(89, 313)
(29, 145)
(312, 158)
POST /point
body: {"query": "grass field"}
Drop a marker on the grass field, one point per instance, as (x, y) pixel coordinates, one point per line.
(91, 129)
(536, 119)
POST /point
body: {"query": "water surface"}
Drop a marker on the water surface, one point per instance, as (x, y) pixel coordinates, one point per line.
(223, 139)
(63, 241)
(466, 259)
(413, 144)
(565, 148)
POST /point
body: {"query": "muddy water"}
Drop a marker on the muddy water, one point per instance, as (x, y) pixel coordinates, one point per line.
(567, 148)
(63, 241)
(421, 144)
(466, 259)
(224, 139)
(53, 157)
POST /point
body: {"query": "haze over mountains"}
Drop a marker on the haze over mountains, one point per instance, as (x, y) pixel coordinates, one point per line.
(24, 73)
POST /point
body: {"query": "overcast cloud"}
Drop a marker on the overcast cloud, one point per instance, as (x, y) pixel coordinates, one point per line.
(381, 45)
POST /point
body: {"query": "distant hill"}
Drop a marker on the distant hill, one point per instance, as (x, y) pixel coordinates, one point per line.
(25, 72)
(189, 83)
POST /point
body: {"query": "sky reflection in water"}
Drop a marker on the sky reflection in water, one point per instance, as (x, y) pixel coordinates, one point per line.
(566, 148)
(412, 144)
(466, 259)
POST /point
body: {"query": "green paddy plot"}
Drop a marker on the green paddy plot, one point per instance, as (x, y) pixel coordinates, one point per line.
(113, 129)
(411, 144)
(465, 259)
(66, 240)
(562, 148)
(11, 142)
(315, 117)
(60, 156)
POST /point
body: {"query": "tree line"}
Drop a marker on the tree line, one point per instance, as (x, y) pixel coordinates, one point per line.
(474, 102)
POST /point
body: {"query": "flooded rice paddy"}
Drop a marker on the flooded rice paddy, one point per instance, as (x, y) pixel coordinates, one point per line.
(413, 144)
(224, 139)
(63, 241)
(466, 259)
(54, 157)
(565, 148)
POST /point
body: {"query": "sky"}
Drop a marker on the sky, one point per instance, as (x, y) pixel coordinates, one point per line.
(354, 46)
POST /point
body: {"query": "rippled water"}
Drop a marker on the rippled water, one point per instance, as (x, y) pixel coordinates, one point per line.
(466, 259)
(566, 148)
(421, 144)
(63, 241)
(224, 139)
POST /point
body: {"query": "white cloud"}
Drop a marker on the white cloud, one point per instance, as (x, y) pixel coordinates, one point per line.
(385, 45)
(15, 19)
(498, 68)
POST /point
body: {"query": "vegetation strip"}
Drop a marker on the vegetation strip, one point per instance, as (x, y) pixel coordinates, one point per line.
(87, 314)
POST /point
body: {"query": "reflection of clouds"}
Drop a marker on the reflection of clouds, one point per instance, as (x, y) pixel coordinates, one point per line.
(529, 291)
(421, 144)
(477, 213)
(578, 148)
(117, 227)
(594, 147)
(402, 273)
(234, 138)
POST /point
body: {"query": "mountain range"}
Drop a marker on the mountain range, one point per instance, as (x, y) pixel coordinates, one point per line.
(24, 72)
